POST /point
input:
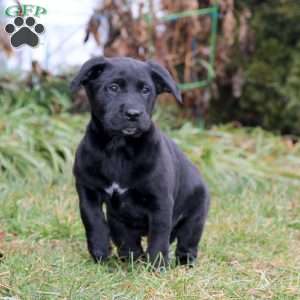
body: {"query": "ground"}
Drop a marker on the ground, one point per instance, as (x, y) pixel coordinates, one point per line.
(250, 248)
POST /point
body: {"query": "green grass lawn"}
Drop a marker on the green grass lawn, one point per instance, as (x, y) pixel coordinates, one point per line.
(250, 248)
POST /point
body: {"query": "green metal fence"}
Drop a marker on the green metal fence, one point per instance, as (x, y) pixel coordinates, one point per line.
(207, 64)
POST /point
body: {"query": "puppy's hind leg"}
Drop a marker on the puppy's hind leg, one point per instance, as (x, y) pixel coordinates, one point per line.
(190, 231)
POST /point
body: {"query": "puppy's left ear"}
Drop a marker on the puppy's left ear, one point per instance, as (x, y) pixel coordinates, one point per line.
(90, 70)
(164, 83)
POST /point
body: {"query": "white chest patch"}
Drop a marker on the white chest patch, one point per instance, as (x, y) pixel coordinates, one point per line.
(115, 188)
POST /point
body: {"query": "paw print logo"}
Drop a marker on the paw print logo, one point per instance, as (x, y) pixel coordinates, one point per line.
(24, 33)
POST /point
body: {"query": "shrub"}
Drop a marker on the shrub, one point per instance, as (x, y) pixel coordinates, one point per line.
(271, 93)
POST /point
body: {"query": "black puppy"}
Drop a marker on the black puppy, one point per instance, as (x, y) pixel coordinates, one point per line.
(148, 185)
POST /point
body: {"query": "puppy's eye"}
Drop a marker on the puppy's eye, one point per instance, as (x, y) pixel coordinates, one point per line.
(114, 88)
(145, 90)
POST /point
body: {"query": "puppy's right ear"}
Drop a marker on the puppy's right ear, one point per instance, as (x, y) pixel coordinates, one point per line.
(89, 71)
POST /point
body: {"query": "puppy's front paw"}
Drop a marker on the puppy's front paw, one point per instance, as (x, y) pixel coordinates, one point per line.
(99, 256)
(186, 259)
(158, 262)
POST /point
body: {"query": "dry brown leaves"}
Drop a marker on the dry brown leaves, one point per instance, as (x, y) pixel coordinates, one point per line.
(178, 44)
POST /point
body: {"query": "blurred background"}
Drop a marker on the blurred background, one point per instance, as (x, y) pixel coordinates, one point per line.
(237, 62)
(255, 57)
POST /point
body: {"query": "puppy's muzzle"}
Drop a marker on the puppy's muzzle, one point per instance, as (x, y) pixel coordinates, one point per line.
(133, 114)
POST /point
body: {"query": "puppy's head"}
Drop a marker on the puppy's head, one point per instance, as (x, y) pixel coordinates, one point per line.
(122, 92)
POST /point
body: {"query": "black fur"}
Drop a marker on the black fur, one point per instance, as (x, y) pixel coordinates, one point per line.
(159, 192)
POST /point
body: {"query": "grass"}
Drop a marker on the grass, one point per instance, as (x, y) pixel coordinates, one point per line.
(250, 249)
(36, 134)
(32, 143)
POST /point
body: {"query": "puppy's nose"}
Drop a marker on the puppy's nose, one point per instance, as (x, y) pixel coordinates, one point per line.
(133, 114)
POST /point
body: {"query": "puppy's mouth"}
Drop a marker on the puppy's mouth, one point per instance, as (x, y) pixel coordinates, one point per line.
(129, 131)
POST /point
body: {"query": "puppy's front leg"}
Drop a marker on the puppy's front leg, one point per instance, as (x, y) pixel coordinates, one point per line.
(159, 236)
(93, 219)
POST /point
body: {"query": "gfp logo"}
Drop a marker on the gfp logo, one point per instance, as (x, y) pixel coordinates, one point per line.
(25, 30)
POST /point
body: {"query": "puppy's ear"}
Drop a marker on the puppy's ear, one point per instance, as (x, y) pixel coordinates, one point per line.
(89, 71)
(163, 80)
